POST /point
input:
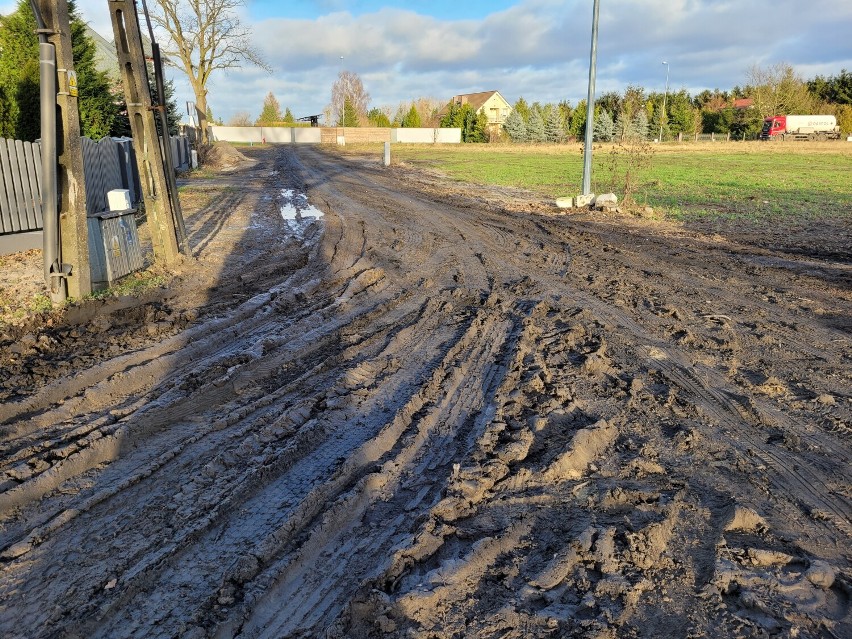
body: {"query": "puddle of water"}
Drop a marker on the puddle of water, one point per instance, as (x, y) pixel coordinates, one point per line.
(297, 212)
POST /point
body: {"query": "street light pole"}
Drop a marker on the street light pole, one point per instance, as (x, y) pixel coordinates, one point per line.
(590, 104)
(342, 101)
(665, 95)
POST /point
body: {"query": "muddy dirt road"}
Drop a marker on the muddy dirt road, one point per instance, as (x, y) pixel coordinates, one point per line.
(434, 414)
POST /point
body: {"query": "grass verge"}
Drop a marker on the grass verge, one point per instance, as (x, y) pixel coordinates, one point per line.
(735, 181)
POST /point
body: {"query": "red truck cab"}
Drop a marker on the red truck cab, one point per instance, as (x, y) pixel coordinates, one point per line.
(773, 125)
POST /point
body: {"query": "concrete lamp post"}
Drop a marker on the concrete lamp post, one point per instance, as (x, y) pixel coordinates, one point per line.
(665, 95)
(342, 104)
(590, 105)
(587, 197)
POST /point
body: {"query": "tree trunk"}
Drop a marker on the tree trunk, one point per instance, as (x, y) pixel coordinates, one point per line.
(201, 109)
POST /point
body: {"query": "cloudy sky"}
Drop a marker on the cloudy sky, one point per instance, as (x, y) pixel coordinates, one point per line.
(538, 49)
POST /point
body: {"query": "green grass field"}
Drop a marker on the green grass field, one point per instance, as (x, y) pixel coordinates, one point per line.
(724, 180)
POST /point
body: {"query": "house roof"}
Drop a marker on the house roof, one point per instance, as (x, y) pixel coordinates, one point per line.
(476, 100)
(106, 58)
(743, 103)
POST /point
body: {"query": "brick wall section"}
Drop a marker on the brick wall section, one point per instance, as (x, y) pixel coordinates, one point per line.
(356, 135)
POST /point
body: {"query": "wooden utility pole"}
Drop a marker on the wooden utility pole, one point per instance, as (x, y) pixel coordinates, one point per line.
(162, 218)
(73, 228)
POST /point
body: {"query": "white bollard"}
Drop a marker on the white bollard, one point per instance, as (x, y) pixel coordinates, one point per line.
(386, 159)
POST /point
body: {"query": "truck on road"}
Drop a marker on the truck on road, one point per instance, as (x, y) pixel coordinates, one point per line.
(800, 127)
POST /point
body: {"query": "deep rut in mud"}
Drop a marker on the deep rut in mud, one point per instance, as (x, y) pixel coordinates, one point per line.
(430, 414)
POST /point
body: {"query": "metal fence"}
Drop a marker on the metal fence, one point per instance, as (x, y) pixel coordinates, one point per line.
(20, 186)
(107, 164)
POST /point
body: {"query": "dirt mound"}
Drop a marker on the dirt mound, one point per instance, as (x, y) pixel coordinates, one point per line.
(223, 156)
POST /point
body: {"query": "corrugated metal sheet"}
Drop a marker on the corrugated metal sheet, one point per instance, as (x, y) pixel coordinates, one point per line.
(114, 249)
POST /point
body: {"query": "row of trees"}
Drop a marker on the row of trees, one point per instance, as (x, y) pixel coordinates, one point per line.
(636, 114)
(101, 102)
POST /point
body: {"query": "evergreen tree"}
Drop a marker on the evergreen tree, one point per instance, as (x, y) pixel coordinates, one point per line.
(577, 128)
(566, 112)
(411, 119)
(523, 109)
(271, 112)
(19, 78)
(682, 113)
(378, 118)
(19, 75)
(623, 127)
(515, 127)
(640, 124)
(211, 119)
(604, 127)
(610, 102)
(835, 89)
(535, 127)
(350, 114)
(288, 116)
(553, 126)
(121, 123)
(401, 112)
(473, 125)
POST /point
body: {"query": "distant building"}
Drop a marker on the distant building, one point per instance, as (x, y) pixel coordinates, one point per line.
(743, 103)
(491, 103)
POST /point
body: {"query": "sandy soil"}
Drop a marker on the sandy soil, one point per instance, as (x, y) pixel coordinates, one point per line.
(435, 414)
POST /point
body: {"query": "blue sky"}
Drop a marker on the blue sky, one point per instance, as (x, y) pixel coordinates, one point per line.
(537, 49)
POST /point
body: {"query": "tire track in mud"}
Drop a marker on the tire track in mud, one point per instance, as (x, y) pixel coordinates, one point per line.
(710, 393)
(429, 427)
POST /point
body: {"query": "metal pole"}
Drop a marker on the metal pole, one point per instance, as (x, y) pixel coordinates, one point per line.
(590, 104)
(665, 95)
(342, 101)
(49, 199)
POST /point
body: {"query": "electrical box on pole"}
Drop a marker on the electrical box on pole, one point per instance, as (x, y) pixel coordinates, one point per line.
(166, 223)
(73, 229)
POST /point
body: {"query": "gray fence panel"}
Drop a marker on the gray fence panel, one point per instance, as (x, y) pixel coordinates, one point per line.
(128, 169)
(34, 172)
(7, 203)
(29, 185)
(24, 204)
(102, 173)
(17, 196)
(108, 164)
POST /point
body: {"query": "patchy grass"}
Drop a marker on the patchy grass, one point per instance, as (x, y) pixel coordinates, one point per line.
(754, 181)
(134, 284)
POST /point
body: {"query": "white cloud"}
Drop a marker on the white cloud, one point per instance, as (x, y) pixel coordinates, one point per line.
(536, 48)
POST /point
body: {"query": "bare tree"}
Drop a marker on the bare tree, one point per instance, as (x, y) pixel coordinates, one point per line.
(428, 109)
(776, 89)
(205, 35)
(348, 88)
(240, 118)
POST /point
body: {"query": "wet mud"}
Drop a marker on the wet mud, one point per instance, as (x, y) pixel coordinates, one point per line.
(434, 411)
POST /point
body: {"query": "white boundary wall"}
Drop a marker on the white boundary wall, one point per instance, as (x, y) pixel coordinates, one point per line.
(313, 135)
(272, 135)
(426, 136)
